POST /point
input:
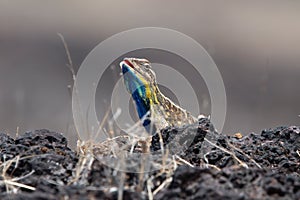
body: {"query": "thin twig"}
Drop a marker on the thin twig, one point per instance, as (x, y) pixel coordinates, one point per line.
(70, 64)
(161, 186)
(230, 153)
(9, 182)
(239, 150)
(149, 185)
(184, 161)
(22, 177)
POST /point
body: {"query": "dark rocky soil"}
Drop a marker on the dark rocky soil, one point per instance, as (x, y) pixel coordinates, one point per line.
(256, 166)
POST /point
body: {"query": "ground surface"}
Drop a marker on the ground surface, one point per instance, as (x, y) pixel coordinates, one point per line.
(256, 166)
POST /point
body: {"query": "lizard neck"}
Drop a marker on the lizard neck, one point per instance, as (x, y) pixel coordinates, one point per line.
(164, 102)
(167, 112)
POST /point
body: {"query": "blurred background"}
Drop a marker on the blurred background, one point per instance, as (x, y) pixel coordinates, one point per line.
(255, 44)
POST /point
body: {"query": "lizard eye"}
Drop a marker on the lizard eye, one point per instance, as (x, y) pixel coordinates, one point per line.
(146, 65)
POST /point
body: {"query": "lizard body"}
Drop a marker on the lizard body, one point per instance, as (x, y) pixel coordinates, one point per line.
(140, 81)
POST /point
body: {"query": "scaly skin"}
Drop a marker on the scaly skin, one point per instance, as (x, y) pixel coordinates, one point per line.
(140, 81)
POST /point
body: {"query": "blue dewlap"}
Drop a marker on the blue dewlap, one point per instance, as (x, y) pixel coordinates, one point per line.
(138, 92)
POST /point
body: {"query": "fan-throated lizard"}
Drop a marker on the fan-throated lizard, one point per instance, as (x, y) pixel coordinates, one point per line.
(140, 81)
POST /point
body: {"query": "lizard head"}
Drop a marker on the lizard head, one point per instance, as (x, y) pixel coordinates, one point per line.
(138, 73)
(140, 81)
(141, 68)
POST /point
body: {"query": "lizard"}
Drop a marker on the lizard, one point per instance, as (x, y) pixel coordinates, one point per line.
(153, 107)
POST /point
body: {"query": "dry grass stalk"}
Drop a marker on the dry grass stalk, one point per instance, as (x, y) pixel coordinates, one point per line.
(9, 182)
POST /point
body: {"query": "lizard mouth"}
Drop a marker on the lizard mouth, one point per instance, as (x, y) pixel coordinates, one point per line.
(127, 62)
